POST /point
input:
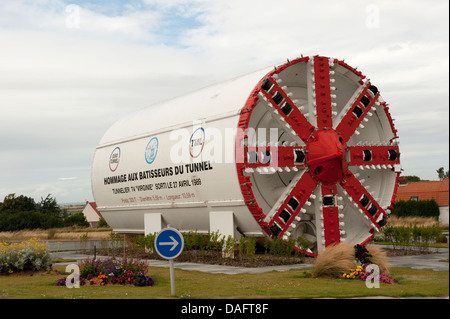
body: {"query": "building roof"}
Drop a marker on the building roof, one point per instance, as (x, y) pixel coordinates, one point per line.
(94, 206)
(439, 190)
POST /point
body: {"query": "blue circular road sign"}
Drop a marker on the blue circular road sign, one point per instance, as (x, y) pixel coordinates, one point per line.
(169, 243)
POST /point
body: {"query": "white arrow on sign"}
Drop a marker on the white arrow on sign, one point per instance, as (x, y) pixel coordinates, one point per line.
(174, 243)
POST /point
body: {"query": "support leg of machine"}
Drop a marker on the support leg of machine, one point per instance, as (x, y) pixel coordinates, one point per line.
(223, 222)
(153, 223)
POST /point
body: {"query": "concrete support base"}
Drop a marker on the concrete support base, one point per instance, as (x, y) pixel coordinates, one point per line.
(153, 223)
(223, 223)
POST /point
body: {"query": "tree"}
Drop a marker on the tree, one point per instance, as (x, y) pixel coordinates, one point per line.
(77, 219)
(442, 174)
(411, 178)
(21, 212)
(49, 206)
(102, 223)
(19, 204)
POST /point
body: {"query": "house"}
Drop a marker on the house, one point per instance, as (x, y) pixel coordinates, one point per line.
(92, 214)
(438, 190)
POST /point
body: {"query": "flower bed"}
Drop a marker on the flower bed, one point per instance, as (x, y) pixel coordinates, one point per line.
(361, 274)
(115, 272)
(367, 257)
(27, 255)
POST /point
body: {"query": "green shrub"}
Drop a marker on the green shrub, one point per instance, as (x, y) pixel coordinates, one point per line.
(303, 244)
(228, 247)
(277, 246)
(215, 242)
(77, 219)
(147, 241)
(247, 247)
(27, 255)
(195, 241)
(286, 248)
(405, 236)
(442, 239)
(102, 223)
(289, 247)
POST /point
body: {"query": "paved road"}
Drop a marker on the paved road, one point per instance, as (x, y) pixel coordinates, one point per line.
(431, 261)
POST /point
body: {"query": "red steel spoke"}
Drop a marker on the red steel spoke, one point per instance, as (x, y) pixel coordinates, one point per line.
(374, 155)
(391, 122)
(362, 198)
(330, 214)
(287, 109)
(323, 92)
(274, 156)
(292, 204)
(356, 114)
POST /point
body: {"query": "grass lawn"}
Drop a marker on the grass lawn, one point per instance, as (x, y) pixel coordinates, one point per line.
(199, 285)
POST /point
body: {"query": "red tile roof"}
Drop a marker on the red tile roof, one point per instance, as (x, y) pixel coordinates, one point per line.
(439, 190)
(94, 206)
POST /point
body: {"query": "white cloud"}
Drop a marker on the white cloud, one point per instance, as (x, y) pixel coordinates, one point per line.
(67, 178)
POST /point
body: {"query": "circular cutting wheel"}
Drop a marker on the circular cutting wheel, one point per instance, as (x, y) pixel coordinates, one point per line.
(318, 157)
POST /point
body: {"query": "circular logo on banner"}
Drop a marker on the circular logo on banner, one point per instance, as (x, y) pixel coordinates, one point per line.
(151, 150)
(196, 142)
(114, 159)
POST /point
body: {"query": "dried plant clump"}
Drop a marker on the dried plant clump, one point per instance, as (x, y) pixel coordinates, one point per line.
(379, 257)
(334, 261)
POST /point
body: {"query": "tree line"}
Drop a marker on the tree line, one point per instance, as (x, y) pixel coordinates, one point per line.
(441, 172)
(22, 212)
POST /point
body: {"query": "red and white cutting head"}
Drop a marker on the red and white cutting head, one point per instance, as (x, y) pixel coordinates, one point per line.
(317, 156)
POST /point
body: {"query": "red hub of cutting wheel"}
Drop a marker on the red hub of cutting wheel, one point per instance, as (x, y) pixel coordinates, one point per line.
(325, 156)
(331, 173)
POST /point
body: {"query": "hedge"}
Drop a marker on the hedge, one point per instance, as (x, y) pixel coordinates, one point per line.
(423, 208)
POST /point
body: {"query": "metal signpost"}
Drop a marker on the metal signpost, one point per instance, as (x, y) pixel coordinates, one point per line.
(169, 244)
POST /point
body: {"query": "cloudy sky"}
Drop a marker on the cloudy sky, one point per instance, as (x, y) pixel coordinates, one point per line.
(70, 69)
